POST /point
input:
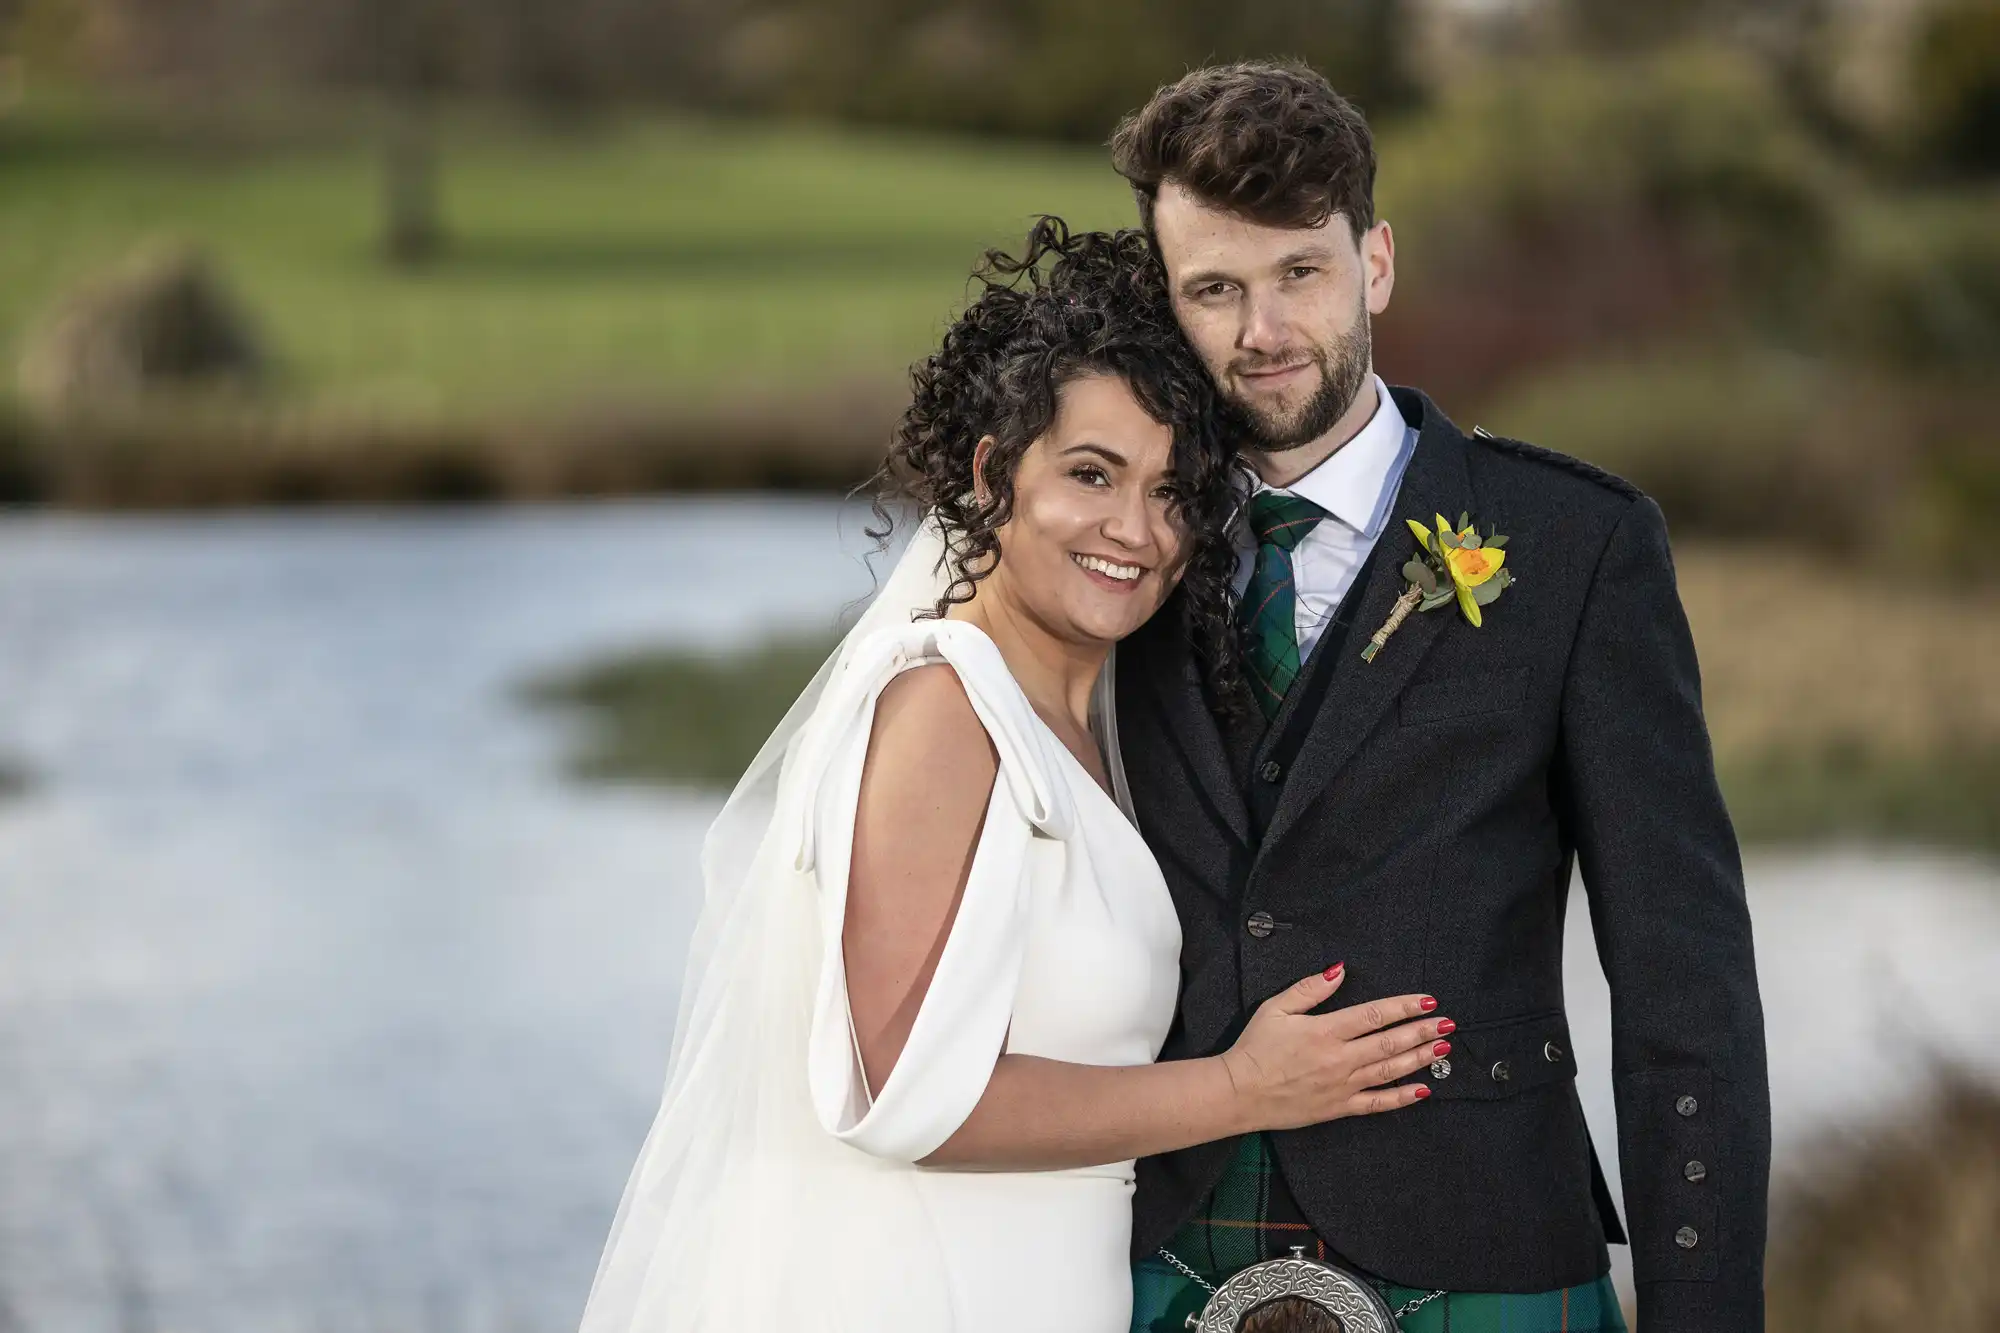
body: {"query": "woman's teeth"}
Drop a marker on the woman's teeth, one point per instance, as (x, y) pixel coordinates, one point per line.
(1106, 568)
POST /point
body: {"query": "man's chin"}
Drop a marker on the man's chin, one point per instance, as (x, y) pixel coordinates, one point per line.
(1278, 433)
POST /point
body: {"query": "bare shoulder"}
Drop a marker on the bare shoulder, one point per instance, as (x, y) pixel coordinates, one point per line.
(928, 739)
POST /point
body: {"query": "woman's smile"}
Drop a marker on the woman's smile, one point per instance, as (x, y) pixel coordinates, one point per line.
(1117, 576)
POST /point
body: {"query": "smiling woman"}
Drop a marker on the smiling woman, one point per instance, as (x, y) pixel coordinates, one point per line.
(1065, 407)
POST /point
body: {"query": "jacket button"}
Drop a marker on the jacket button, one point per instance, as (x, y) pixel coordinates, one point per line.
(1695, 1172)
(1502, 1071)
(1687, 1106)
(1687, 1238)
(1440, 1069)
(1552, 1052)
(1271, 771)
(1261, 924)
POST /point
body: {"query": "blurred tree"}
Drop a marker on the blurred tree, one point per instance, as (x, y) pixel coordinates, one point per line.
(406, 48)
(1041, 67)
(1955, 85)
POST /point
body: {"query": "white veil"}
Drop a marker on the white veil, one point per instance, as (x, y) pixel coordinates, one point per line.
(739, 1214)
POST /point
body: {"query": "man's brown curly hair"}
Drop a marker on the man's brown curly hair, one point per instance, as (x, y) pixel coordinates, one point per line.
(1269, 140)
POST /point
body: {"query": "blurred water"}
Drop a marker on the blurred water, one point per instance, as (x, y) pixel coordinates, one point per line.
(326, 1004)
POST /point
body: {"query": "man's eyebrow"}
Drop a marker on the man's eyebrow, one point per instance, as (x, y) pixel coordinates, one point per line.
(1203, 278)
(1110, 456)
(1311, 254)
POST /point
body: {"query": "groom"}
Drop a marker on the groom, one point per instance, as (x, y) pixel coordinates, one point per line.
(1417, 811)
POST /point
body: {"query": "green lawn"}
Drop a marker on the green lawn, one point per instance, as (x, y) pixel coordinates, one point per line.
(642, 258)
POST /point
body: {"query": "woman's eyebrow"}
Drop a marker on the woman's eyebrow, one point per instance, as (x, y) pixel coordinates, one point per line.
(1110, 456)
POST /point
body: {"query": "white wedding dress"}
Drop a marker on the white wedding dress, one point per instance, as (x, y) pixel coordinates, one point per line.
(775, 1194)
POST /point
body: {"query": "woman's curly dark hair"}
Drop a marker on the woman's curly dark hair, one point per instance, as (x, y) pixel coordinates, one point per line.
(1073, 304)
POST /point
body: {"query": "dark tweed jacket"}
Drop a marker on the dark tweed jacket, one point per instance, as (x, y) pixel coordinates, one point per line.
(1418, 816)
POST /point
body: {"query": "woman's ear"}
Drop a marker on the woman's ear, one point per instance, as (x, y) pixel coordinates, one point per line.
(982, 451)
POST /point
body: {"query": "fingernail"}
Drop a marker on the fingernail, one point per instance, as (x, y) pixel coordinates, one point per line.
(1333, 971)
(1422, 1092)
(1442, 1048)
(1445, 1026)
(1427, 1004)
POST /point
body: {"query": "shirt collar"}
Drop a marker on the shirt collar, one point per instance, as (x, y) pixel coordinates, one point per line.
(1349, 485)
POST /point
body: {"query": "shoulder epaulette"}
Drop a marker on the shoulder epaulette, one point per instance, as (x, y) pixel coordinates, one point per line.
(1609, 480)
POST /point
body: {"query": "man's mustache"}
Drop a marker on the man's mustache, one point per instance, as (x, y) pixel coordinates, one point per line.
(1261, 364)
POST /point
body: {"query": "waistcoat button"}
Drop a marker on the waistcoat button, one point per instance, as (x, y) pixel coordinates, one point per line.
(1687, 1106)
(1687, 1238)
(1695, 1172)
(1271, 771)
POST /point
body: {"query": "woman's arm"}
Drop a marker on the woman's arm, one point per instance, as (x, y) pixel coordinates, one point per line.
(1289, 1068)
(926, 784)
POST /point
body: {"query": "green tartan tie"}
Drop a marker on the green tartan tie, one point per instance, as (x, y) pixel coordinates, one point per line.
(1268, 614)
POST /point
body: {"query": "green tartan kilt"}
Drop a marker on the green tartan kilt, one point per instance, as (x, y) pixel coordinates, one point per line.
(1251, 1217)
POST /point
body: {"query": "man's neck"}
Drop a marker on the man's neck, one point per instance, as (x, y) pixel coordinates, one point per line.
(1283, 467)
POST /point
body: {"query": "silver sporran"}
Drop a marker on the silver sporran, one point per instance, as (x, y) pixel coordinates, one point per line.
(1349, 1300)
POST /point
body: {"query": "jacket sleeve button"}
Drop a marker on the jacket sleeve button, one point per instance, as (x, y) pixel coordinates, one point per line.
(1687, 1238)
(1552, 1052)
(1502, 1071)
(1687, 1106)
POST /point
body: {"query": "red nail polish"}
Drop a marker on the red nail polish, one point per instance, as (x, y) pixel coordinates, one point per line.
(1333, 971)
(1442, 1048)
(1445, 1025)
(1422, 1092)
(1427, 1004)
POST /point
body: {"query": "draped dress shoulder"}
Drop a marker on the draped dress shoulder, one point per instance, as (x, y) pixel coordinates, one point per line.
(1065, 945)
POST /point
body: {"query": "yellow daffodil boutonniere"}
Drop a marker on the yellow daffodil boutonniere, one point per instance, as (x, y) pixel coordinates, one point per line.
(1452, 564)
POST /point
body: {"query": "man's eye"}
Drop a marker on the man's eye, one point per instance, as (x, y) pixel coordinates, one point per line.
(1214, 289)
(1302, 271)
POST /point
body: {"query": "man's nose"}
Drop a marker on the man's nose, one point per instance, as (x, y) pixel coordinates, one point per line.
(1262, 329)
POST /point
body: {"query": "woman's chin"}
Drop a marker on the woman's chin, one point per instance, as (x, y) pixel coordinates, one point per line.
(1108, 617)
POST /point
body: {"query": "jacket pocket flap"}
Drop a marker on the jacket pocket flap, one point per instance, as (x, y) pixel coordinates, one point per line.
(1499, 1058)
(1463, 696)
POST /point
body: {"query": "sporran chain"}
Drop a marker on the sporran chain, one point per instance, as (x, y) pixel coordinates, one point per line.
(1406, 1309)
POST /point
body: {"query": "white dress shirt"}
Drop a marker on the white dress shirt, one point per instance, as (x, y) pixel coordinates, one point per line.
(1357, 487)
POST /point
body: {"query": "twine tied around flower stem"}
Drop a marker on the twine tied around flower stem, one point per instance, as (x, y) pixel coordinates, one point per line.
(1401, 612)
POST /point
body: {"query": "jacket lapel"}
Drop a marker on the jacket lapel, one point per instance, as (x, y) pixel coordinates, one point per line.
(1174, 676)
(1436, 482)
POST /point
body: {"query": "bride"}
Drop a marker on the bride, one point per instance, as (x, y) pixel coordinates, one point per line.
(913, 1063)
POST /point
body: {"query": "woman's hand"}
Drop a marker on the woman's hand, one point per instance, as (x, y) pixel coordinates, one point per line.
(1292, 1067)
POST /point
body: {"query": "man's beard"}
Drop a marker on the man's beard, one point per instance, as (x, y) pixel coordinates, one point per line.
(1343, 368)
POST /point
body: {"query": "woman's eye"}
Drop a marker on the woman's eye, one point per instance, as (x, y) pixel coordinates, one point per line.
(1169, 493)
(1090, 476)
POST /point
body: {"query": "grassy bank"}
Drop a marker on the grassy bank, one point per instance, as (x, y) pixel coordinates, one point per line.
(1841, 706)
(631, 260)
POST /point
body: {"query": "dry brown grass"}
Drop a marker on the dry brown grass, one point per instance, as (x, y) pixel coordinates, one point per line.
(1800, 653)
(1897, 1232)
